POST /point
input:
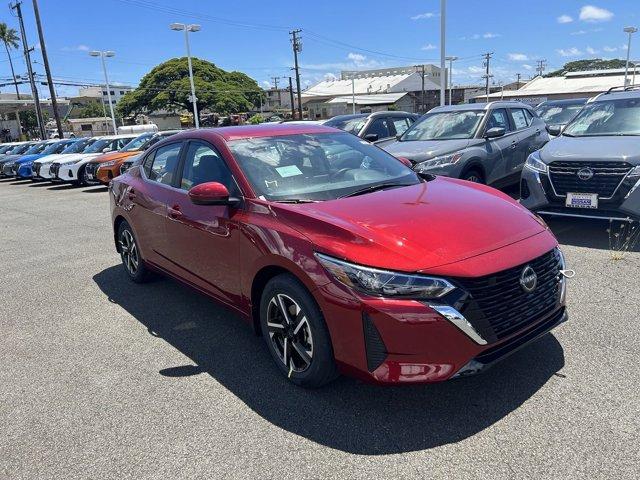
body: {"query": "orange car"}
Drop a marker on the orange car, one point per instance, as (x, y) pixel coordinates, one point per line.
(107, 166)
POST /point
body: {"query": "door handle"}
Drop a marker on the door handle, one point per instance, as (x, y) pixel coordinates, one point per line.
(514, 144)
(174, 212)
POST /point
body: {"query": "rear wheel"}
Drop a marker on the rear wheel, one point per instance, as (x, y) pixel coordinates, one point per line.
(130, 254)
(297, 337)
(473, 175)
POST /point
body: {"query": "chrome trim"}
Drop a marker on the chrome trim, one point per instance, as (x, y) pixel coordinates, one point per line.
(574, 215)
(633, 189)
(599, 197)
(455, 317)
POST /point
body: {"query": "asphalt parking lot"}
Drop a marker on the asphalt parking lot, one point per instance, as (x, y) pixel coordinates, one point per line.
(102, 378)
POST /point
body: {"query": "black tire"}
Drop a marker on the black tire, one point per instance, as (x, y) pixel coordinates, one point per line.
(81, 181)
(128, 245)
(473, 175)
(307, 329)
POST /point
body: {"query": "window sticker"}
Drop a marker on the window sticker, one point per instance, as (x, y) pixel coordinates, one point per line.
(288, 171)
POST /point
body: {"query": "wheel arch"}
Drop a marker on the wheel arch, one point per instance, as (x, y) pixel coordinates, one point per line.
(116, 225)
(474, 164)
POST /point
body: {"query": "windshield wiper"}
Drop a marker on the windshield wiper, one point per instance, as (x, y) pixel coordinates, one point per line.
(295, 200)
(373, 188)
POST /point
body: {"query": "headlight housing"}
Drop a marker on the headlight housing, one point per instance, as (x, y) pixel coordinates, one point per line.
(107, 164)
(439, 161)
(635, 172)
(384, 283)
(534, 163)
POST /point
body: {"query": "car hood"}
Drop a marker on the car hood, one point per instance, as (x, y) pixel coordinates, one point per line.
(54, 157)
(108, 157)
(77, 157)
(421, 150)
(592, 148)
(413, 228)
(29, 158)
(10, 158)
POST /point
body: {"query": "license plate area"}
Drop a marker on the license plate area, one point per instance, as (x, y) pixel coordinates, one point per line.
(582, 200)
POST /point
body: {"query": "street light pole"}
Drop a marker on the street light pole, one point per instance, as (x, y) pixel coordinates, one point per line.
(190, 28)
(630, 31)
(102, 55)
(443, 50)
(451, 60)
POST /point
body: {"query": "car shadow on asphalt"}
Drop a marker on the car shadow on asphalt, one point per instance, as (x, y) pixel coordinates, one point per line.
(346, 415)
(63, 186)
(587, 232)
(96, 189)
(39, 184)
(20, 182)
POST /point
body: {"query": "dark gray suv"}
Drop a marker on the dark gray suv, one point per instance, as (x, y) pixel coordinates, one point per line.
(484, 142)
(593, 168)
(374, 127)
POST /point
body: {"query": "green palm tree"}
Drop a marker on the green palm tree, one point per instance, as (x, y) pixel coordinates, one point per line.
(9, 37)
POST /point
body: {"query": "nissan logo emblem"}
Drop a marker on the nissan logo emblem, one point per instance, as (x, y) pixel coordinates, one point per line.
(585, 174)
(528, 279)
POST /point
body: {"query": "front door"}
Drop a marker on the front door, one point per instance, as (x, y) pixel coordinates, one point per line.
(501, 149)
(205, 238)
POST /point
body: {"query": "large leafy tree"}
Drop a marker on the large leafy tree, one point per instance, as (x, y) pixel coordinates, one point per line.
(167, 87)
(590, 64)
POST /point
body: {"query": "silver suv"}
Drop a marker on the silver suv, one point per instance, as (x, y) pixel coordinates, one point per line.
(483, 142)
(593, 168)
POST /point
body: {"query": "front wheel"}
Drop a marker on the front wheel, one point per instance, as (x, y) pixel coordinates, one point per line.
(472, 175)
(82, 177)
(297, 337)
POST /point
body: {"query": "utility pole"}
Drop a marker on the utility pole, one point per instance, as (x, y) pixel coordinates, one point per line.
(293, 103)
(297, 48)
(275, 82)
(27, 57)
(353, 95)
(443, 50)
(422, 73)
(45, 59)
(487, 75)
(542, 65)
(518, 81)
(451, 60)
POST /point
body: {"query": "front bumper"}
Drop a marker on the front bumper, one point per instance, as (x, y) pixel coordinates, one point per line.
(9, 169)
(25, 171)
(106, 174)
(538, 195)
(68, 172)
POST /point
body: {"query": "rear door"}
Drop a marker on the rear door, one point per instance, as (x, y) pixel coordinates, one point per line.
(205, 239)
(526, 141)
(380, 127)
(150, 194)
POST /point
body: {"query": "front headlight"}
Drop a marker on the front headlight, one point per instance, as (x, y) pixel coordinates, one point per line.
(635, 172)
(107, 164)
(439, 161)
(534, 163)
(384, 283)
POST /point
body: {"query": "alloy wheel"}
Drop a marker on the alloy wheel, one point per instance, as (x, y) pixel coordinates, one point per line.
(290, 333)
(129, 252)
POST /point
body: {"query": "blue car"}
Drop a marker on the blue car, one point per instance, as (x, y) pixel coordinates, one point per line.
(24, 166)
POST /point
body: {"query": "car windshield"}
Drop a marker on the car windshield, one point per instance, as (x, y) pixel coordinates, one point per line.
(55, 148)
(606, 118)
(558, 114)
(6, 148)
(98, 146)
(20, 149)
(313, 167)
(37, 148)
(445, 126)
(137, 142)
(77, 146)
(155, 139)
(350, 125)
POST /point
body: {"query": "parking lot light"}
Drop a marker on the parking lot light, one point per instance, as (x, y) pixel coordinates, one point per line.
(102, 55)
(189, 28)
(630, 31)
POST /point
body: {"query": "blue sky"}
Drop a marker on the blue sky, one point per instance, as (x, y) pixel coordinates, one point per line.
(252, 36)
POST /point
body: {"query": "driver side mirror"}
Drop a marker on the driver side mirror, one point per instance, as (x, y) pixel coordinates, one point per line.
(554, 130)
(406, 161)
(371, 137)
(495, 132)
(211, 193)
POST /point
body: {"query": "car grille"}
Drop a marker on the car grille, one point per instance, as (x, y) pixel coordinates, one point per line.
(54, 169)
(606, 177)
(498, 305)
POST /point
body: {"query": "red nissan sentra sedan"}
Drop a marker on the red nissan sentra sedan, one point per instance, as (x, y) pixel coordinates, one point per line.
(341, 256)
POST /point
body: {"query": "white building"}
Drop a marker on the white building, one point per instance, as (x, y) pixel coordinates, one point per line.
(117, 92)
(571, 85)
(381, 89)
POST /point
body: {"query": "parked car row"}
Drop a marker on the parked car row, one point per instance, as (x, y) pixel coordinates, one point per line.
(80, 161)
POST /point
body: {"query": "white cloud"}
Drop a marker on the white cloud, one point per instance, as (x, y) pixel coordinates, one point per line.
(609, 49)
(564, 19)
(518, 57)
(356, 57)
(579, 32)
(491, 35)
(266, 84)
(429, 46)
(475, 70)
(423, 16)
(591, 51)
(330, 76)
(527, 67)
(569, 52)
(592, 14)
(77, 48)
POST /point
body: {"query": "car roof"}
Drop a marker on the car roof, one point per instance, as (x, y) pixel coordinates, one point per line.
(480, 106)
(256, 131)
(618, 93)
(349, 116)
(565, 101)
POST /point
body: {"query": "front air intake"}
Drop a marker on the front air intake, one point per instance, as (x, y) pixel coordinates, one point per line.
(374, 346)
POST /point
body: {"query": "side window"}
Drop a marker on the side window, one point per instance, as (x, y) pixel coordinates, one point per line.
(400, 124)
(164, 165)
(529, 116)
(380, 127)
(203, 164)
(519, 118)
(498, 118)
